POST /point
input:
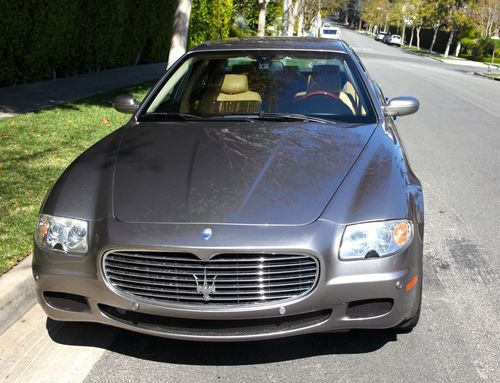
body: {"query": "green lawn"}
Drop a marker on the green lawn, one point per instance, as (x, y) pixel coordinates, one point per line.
(34, 150)
(414, 49)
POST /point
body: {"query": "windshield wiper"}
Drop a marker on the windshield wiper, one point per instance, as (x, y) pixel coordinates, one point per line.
(175, 115)
(193, 117)
(292, 116)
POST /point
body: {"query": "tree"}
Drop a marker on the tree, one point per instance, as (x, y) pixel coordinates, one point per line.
(422, 15)
(180, 31)
(250, 15)
(437, 14)
(456, 18)
(374, 14)
(488, 16)
(261, 31)
(287, 15)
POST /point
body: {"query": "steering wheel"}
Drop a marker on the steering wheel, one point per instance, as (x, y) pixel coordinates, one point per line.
(320, 93)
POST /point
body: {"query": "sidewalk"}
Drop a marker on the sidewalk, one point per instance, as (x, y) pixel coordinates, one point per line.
(33, 96)
(452, 60)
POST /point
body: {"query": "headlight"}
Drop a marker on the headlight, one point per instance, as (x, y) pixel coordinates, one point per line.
(377, 239)
(63, 234)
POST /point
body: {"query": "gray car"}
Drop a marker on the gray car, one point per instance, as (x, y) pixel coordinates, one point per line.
(260, 190)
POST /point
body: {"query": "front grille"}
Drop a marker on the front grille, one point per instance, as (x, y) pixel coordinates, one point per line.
(226, 279)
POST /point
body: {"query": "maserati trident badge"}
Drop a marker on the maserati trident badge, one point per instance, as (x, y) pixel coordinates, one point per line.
(206, 233)
(206, 288)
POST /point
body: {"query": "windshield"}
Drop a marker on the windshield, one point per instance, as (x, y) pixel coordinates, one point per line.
(330, 31)
(316, 84)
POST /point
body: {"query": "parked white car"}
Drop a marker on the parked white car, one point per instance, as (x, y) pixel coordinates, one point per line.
(380, 36)
(330, 32)
(395, 40)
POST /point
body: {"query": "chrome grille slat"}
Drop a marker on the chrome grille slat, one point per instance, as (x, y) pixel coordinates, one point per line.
(239, 279)
(118, 280)
(159, 270)
(208, 265)
(194, 292)
(161, 277)
(196, 260)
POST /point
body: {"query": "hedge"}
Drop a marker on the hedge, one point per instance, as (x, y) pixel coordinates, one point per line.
(43, 39)
(210, 20)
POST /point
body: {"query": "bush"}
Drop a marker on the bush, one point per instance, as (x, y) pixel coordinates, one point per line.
(482, 47)
(467, 44)
(210, 20)
(42, 39)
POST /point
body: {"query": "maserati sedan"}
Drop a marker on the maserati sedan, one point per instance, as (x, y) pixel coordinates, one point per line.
(260, 190)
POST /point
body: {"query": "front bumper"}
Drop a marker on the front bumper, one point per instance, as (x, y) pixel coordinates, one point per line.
(325, 309)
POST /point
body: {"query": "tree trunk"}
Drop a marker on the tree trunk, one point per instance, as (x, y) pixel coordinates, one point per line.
(180, 31)
(346, 22)
(436, 29)
(403, 32)
(411, 36)
(418, 36)
(300, 23)
(457, 49)
(286, 16)
(448, 44)
(261, 30)
(291, 25)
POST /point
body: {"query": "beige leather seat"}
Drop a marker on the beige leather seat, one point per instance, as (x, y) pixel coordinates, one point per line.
(236, 97)
(232, 96)
(351, 98)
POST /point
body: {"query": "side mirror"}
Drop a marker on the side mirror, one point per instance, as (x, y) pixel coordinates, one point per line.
(401, 106)
(126, 103)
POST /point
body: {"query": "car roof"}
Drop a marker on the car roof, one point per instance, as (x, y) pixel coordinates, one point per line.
(273, 43)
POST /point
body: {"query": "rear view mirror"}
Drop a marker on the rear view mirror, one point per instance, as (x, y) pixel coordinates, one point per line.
(126, 103)
(401, 106)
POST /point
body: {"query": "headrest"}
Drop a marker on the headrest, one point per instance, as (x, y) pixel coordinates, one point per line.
(324, 77)
(234, 84)
(291, 71)
(242, 68)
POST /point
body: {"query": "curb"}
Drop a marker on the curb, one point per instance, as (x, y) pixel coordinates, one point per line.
(486, 76)
(17, 293)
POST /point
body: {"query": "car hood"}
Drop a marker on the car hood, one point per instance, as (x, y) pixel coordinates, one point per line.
(277, 173)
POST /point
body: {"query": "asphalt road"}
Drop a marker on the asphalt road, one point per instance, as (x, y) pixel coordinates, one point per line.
(454, 147)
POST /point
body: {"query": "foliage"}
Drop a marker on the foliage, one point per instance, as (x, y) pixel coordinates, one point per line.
(249, 11)
(482, 48)
(36, 148)
(210, 20)
(467, 44)
(42, 39)
(374, 12)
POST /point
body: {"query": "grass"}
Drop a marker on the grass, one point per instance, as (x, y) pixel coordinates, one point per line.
(485, 59)
(414, 49)
(35, 148)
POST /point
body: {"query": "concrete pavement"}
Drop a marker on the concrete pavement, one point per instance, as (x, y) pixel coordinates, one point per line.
(33, 96)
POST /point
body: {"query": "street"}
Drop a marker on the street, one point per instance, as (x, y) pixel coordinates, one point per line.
(453, 144)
